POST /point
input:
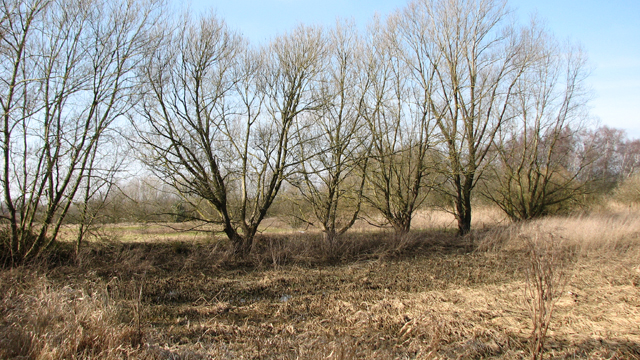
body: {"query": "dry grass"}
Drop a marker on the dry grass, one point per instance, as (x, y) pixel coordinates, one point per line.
(43, 319)
(483, 218)
(425, 296)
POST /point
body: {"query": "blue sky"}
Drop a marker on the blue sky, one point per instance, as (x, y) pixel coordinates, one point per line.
(608, 30)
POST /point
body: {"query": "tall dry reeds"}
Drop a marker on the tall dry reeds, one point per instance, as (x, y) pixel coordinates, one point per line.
(600, 232)
(550, 247)
(42, 321)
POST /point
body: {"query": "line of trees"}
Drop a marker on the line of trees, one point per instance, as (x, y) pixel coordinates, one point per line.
(67, 77)
(446, 97)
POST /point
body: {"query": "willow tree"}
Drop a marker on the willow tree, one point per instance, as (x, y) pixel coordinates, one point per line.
(540, 162)
(218, 118)
(333, 153)
(65, 80)
(401, 125)
(477, 57)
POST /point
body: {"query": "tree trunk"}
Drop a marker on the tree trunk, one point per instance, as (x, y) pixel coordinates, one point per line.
(242, 246)
(330, 237)
(402, 225)
(238, 241)
(463, 212)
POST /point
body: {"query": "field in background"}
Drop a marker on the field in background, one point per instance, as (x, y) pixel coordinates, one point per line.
(146, 291)
(429, 220)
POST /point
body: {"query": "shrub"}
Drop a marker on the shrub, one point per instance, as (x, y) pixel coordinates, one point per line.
(629, 191)
(545, 271)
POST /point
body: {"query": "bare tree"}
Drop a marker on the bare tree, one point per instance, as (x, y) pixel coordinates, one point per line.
(187, 80)
(287, 86)
(65, 80)
(539, 164)
(476, 57)
(334, 151)
(617, 158)
(630, 158)
(218, 118)
(401, 125)
(104, 165)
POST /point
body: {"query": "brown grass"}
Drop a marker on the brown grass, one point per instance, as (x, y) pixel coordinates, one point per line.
(428, 295)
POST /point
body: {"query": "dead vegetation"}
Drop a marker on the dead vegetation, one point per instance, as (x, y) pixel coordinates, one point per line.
(427, 295)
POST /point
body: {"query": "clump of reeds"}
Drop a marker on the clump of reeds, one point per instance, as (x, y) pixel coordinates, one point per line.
(42, 321)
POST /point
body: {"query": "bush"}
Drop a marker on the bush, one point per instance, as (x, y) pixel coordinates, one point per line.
(629, 191)
(546, 278)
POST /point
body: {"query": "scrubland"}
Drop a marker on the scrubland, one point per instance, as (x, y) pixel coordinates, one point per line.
(153, 292)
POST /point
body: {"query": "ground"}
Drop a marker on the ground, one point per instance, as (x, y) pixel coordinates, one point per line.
(428, 295)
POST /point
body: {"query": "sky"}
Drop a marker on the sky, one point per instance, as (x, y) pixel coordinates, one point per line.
(608, 31)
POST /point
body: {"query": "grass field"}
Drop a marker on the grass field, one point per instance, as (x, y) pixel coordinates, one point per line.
(149, 292)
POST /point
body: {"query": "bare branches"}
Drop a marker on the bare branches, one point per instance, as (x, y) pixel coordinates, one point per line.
(66, 71)
(467, 59)
(539, 164)
(187, 78)
(219, 118)
(431, 98)
(401, 128)
(333, 148)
